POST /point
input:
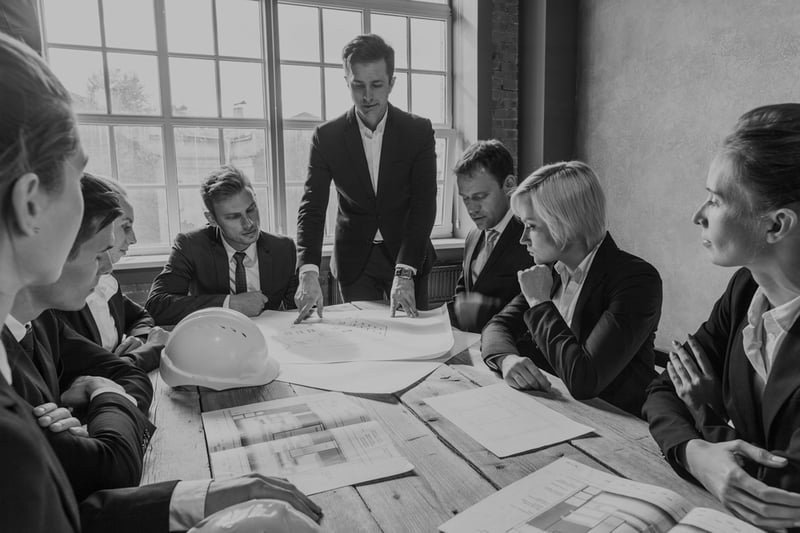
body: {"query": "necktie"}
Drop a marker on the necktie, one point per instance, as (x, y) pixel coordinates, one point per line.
(27, 341)
(490, 239)
(241, 275)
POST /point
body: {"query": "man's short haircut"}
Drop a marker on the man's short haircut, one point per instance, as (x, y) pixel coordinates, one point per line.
(568, 198)
(491, 155)
(368, 48)
(100, 208)
(223, 183)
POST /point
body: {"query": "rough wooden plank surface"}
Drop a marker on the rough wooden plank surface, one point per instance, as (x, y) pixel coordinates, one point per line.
(178, 447)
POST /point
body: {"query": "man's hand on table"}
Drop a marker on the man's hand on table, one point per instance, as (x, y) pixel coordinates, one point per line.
(222, 494)
(521, 373)
(248, 303)
(308, 295)
(402, 296)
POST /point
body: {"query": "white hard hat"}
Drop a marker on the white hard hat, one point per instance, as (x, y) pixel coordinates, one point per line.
(257, 516)
(217, 348)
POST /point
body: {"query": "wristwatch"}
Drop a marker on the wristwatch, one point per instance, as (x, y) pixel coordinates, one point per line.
(403, 273)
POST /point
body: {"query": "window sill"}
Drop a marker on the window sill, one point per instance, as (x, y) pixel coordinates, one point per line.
(136, 262)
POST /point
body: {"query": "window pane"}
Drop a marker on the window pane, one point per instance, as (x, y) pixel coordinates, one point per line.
(82, 74)
(399, 94)
(296, 144)
(393, 30)
(150, 213)
(300, 93)
(441, 161)
(428, 48)
(134, 84)
(94, 140)
(189, 26)
(242, 89)
(72, 22)
(191, 209)
(337, 95)
(298, 32)
(427, 97)
(239, 28)
(140, 157)
(129, 24)
(338, 28)
(247, 150)
(194, 85)
(196, 152)
(264, 203)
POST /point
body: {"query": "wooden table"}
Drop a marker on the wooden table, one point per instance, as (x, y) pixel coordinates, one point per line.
(452, 471)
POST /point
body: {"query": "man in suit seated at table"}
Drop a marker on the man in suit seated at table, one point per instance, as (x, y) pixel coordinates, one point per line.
(229, 263)
(492, 253)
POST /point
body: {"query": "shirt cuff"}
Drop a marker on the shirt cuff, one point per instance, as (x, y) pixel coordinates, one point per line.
(491, 361)
(112, 390)
(226, 302)
(401, 265)
(308, 268)
(187, 506)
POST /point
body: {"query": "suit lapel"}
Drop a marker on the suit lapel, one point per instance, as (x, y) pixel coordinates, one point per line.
(117, 308)
(473, 238)
(782, 380)
(391, 138)
(355, 149)
(506, 240)
(264, 263)
(90, 324)
(602, 261)
(220, 261)
(745, 414)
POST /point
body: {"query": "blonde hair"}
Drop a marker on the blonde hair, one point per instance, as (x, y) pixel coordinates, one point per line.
(568, 198)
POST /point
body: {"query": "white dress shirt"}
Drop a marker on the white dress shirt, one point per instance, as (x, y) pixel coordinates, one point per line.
(250, 269)
(98, 305)
(566, 297)
(764, 333)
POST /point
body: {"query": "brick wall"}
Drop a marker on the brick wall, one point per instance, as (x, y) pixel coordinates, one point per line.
(505, 48)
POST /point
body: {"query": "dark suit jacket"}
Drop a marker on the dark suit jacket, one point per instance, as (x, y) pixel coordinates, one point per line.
(609, 350)
(119, 432)
(35, 495)
(497, 281)
(130, 319)
(197, 275)
(771, 424)
(404, 208)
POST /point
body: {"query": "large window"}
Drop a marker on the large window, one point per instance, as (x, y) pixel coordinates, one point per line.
(168, 89)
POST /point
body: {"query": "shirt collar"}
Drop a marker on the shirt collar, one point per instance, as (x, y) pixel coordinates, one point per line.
(106, 287)
(500, 227)
(784, 316)
(579, 274)
(250, 251)
(368, 133)
(17, 328)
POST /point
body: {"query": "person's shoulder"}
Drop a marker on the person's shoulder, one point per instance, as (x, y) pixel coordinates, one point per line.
(406, 119)
(335, 125)
(275, 239)
(626, 264)
(202, 235)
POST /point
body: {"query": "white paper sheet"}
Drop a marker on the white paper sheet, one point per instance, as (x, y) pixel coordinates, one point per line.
(350, 334)
(319, 442)
(568, 496)
(506, 421)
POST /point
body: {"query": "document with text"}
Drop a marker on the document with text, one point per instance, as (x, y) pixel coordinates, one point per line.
(319, 442)
(506, 421)
(567, 496)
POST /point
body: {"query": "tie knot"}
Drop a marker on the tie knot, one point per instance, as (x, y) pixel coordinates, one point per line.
(491, 236)
(239, 257)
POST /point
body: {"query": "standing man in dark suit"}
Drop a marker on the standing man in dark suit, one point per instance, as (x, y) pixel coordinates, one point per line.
(492, 253)
(230, 263)
(383, 164)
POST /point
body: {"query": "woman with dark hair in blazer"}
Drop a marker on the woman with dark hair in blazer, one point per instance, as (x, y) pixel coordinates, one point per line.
(587, 311)
(727, 411)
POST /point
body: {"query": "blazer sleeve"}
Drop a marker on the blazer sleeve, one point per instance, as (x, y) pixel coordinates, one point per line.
(501, 334)
(146, 357)
(82, 357)
(138, 322)
(671, 422)
(129, 510)
(169, 300)
(422, 201)
(314, 203)
(111, 456)
(631, 316)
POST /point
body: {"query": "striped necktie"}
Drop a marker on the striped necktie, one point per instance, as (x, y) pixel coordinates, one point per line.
(490, 239)
(241, 275)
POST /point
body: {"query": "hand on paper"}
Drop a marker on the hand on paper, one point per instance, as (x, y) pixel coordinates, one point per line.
(536, 283)
(222, 494)
(80, 392)
(521, 373)
(128, 344)
(248, 303)
(157, 335)
(308, 295)
(695, 383)
(718, 466)
(402, 296)
(58, 419)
